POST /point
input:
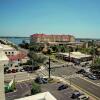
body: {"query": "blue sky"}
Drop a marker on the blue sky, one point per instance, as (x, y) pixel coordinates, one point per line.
(80, 18)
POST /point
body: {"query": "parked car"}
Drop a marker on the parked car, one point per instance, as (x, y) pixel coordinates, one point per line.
(62, 87)
(16, 70)
(83, 97)
(75, 95)
(13, 70)
(93, 77)
(81, 71)
(86, 74)
(9, 71)
(22, 70)
(41, 80)
(45, 80)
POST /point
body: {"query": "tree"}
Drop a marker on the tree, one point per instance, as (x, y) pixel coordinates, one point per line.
(96, 64)
(37, 59)
(35, 88)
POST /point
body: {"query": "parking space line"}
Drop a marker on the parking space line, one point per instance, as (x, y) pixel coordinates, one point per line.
(20, 85)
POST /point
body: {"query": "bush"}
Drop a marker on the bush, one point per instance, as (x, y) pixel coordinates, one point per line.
(35, 88)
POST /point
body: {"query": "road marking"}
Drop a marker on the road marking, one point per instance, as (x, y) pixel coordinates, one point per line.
(78, 88)
(71, 76)
(89, 81)
(26, 85)
(98, 84)
(20, 85)
(97, 98)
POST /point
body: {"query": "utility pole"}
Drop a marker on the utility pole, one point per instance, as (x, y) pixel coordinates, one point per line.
(14, 82)
(49, 68)
(93, 52)
(69, 62)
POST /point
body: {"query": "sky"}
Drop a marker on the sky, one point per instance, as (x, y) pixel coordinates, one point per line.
(80, 18)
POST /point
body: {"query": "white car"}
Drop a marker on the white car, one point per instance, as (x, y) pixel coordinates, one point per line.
(83, 97)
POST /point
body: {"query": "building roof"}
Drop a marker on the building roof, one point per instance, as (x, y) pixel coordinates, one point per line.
(77, 55)
(19, 56)
(39, 96)
(7, 47)
(42, 34)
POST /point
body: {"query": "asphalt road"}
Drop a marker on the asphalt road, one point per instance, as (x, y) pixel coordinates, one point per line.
(86, 85)
(93, 89)
(59, 95)
(20, 76)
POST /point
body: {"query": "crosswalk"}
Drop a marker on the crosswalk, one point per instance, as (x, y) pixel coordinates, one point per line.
(44, 73)
(71, 76)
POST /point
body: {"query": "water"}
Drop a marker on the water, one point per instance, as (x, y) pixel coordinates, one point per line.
(18, 40)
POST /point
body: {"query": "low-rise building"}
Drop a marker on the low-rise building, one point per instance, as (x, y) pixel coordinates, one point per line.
(39, 96)
(9, 50)
(15, 60)
(76, 57)
(15, 56)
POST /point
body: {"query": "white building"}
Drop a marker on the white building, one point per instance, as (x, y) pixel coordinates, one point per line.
(75, 56)
(40, 96)
(3, 61)
(9, 50)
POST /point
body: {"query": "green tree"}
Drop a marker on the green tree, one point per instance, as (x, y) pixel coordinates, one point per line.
(35, 88)
(96, 64)
(37, 59)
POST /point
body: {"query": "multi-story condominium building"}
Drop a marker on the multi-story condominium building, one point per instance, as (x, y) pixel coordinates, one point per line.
(3, 61)
(44, 38)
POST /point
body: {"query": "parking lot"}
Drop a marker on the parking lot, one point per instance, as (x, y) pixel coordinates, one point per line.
(22, 89)
(60, 95)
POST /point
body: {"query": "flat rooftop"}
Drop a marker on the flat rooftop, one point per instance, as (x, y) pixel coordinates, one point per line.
(76, 55)
(39, 96)
(6, 47)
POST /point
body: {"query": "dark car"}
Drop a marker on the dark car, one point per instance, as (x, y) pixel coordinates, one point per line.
(41, 80)
(38, 80)
(81, 71)
(86, 74)
(45, 80)
(75, 95)
(13, 70)
(62, 87)
(9, 71)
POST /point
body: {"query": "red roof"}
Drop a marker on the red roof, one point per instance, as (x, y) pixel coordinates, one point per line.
(17, 57)
(38, 35)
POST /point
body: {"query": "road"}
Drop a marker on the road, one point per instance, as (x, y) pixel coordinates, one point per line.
(20, 76)
(93, 89)
(86, 84)
(62, 71)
